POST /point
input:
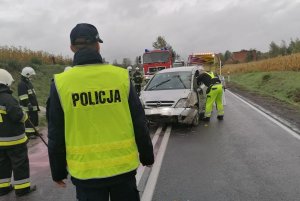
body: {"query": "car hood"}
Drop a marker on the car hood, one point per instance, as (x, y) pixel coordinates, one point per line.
(165, 95)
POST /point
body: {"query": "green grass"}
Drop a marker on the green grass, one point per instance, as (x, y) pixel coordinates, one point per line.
(283, 85)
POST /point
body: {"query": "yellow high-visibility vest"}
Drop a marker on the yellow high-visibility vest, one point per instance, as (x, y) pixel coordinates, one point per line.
(211, 74)
(99, 133)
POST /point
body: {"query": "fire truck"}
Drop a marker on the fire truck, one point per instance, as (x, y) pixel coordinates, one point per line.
(156, 60)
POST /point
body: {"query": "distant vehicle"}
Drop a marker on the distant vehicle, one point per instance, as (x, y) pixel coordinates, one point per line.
(178, 63)
(172, 95)
(156, 60)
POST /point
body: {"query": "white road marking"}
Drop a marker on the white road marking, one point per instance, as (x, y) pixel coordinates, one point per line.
(291, 132)
(151, 183)
(141, 168)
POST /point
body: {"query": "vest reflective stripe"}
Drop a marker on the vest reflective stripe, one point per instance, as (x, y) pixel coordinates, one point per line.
(29, 130)
(30, 91)
(2, 111)
(23, 97)
(81, 150)
(8, 141)
(21, 186)
(24, 118)
(4, 183)
(23, 181)
(25, 109)
(99, 133)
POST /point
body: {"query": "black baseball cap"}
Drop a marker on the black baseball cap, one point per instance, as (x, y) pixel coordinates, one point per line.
(84, 34)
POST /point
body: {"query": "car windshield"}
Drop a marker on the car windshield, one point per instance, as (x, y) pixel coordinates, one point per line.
(154, 57)
(170, 81)
(153, 70)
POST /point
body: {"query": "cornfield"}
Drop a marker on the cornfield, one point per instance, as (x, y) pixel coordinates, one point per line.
(17, 57)
(281, 63)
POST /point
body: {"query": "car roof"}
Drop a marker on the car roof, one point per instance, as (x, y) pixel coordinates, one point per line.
(180, 69)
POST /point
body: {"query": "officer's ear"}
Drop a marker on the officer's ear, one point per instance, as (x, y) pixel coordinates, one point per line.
(98, 47)
(73, 48)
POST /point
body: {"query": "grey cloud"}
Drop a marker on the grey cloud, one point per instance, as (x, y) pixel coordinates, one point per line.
(128, 27)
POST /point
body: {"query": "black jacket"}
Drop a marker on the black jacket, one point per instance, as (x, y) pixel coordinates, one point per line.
(11, 124)
(206, 79)
(26, 88)
(57, 149)
(137, 77)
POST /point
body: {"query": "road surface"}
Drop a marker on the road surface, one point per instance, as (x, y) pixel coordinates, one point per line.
(248, 156)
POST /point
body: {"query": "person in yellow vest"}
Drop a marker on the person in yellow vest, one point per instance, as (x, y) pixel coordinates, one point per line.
(97, 126)
(13, 140)
(214, 94)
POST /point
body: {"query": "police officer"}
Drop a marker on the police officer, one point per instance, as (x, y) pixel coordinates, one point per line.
(13, 148)
(97, 126)
(214, 94)
(138, 79)
(28, 100)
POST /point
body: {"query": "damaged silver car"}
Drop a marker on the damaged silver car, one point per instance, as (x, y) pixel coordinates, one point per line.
(173, 95)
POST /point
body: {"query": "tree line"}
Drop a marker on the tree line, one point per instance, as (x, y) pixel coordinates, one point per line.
(275, 50)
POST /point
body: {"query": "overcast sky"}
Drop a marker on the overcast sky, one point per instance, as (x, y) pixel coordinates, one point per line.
(127, 27)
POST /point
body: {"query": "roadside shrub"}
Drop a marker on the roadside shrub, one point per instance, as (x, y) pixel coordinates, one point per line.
(13, 64)
(266, 78)
(296, 97)
(36, 60)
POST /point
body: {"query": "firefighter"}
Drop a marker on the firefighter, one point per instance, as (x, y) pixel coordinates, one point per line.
(137, 79)
(214, 94)
(129, 68)
(13, 148)
(28, 100)
(97, 126)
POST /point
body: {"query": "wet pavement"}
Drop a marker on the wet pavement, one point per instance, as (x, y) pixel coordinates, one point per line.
(245, 157)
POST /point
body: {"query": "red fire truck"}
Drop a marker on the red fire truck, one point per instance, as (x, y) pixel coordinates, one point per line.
(156, 60)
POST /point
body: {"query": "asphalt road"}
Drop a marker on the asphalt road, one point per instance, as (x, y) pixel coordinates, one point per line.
(245, 157)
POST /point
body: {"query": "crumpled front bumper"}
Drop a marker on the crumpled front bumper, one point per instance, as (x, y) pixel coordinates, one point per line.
(166, 114)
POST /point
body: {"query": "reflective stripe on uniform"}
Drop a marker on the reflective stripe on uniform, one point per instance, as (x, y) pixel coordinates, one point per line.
(4, 183)
(8, 141)
(2, 111)
(24, 118)
(30, 91)
(103, 164)
(25, 109)
(24, 183)
(23, 97)
(81, 150)
(29, 130)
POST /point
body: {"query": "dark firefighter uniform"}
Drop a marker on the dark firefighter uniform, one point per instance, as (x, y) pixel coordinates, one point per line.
(97, 130)
(13, 148)
(214, 93)
(29, 104)
(137, 79)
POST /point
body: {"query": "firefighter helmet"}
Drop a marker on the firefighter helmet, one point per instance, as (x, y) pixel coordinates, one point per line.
(5, 77)
(129, 68)
(137, 68)
(27, 72)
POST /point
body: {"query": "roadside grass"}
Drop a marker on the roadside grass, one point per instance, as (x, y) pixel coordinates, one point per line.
(281, 63)
(282, 85)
